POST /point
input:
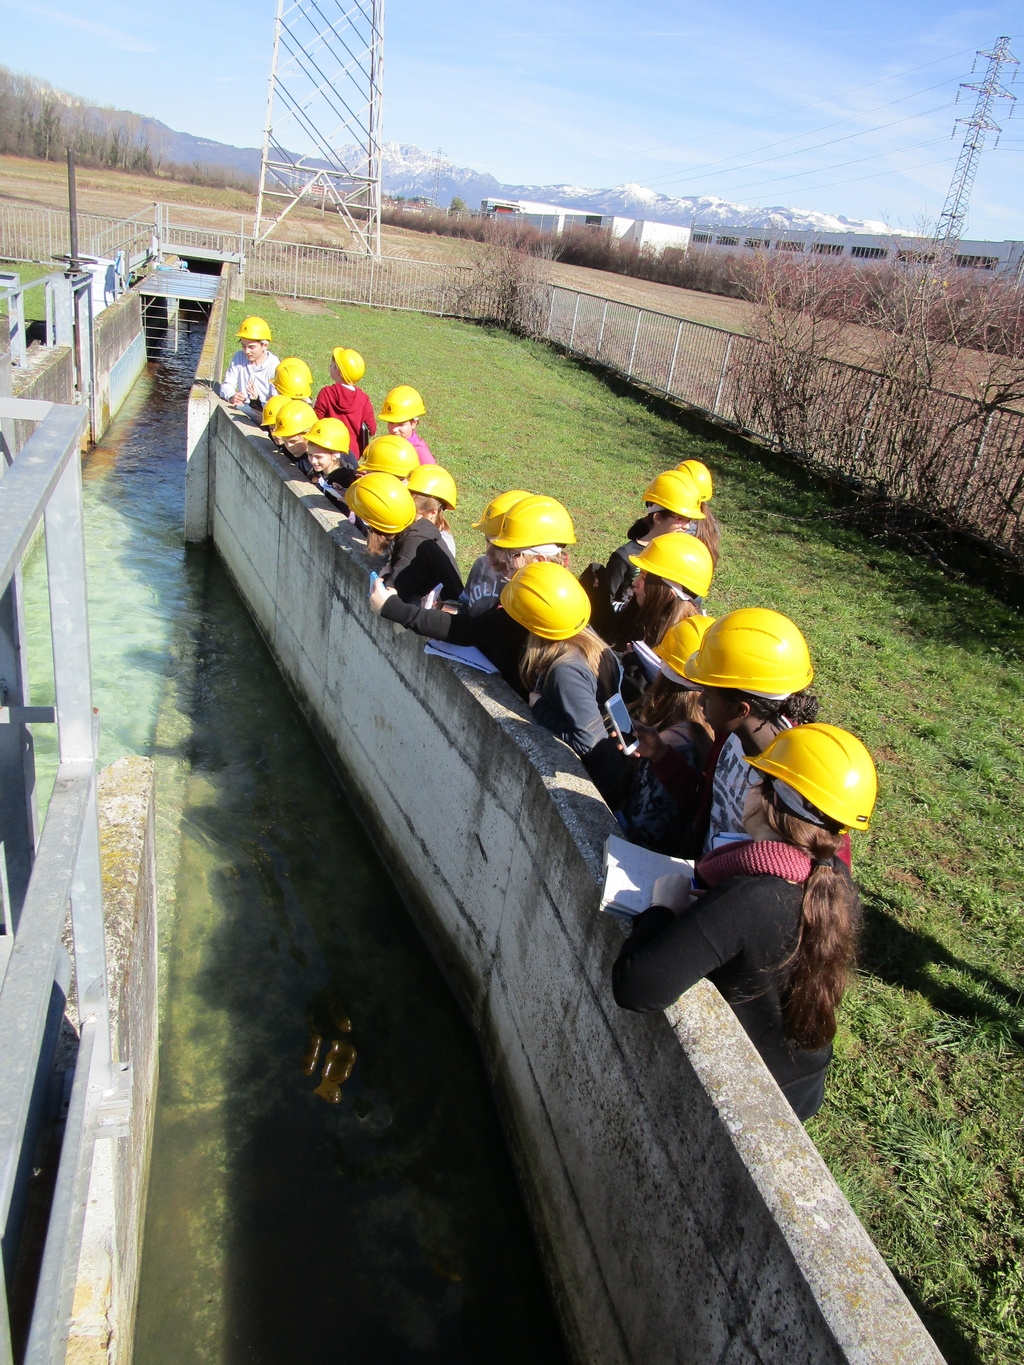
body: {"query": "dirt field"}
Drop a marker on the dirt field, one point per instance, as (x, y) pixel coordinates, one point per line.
(114, 193)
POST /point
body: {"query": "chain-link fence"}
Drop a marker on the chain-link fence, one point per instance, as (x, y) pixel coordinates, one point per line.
(946, 454)
(943, 453)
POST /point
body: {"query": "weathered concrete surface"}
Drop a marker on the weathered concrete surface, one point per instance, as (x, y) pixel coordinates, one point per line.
(50, 377)
(103, 1315)
(684, 1214)
(209, 372)
(119, 357)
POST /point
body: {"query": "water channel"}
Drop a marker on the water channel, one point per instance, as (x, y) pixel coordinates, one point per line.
(282, 1226)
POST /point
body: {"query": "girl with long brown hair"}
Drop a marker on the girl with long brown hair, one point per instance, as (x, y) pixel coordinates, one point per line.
(777, 929)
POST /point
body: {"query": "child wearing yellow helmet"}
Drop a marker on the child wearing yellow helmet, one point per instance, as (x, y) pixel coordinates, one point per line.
(567, 669)
(671, 706)
(674, 576)
(754, 670)
(331, 465)
(488, 575)
(342, 400)
(402, 410)
(776, 930)
(269, 415)
(420, 566)
(249, 379)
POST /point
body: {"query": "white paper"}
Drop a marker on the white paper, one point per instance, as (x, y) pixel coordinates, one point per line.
(630, 873)
(649, 661)
(463, 654)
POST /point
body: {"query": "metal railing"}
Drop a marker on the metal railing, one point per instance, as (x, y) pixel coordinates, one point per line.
(41, 880)
(944, 453)
(43, 235)
(61, 290)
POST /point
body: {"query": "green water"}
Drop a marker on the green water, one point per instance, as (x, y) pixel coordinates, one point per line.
(280, 1227)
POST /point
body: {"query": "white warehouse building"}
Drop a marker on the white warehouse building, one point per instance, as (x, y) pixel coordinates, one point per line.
(554, 218)
(1002, 258)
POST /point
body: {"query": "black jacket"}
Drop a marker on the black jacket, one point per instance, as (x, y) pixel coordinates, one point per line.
(737, 935)
(494, 633)
(419, 561)
(621, 574)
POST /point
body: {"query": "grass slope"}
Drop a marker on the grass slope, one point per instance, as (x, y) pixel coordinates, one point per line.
(922, 1122)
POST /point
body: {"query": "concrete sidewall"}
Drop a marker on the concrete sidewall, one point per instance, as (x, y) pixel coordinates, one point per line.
(683, 1213)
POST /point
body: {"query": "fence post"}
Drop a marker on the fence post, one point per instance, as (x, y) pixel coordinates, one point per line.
(600, 335)
(575, 315)
(551, 311)
(444, 282)
(632, 352)
(721, 377)
(675, 352)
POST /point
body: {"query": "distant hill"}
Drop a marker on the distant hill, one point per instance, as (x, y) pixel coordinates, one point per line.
(408, 170)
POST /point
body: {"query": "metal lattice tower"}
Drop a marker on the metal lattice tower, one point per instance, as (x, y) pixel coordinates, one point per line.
(323, 129)
(954, 211)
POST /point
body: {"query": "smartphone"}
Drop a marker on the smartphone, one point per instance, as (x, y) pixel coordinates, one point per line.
(373, 582)
(622, 722)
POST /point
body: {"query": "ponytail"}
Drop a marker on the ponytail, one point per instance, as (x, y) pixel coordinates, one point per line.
(820, 964)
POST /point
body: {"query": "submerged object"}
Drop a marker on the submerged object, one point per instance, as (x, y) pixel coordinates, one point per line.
(340, 1061)
(329, 1091)
(312, 1053)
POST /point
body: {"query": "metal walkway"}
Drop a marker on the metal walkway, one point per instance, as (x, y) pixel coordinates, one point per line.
(180, 284)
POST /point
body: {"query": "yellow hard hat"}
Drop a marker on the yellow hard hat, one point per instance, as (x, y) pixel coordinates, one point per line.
(753, 650)
(294, 419)
(547, 600)
(254, 329)
(330, 433)
(679, 557)
(435, 482)
(682, 640)
(535, 520)
(390, 455)
(383, 502)
(676, 492)
(701, 475)
(829, 767)
(494, 512)
(401, 405)
(271, 409)
(351, 365)
(293, 379)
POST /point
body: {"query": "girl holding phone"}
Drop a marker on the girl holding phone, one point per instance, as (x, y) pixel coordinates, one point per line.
(567, 669)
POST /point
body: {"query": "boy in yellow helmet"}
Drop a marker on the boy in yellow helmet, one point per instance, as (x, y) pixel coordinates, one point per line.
(249, 380)
(402, 410)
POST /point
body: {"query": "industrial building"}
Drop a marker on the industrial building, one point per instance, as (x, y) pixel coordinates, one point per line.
(557, 219)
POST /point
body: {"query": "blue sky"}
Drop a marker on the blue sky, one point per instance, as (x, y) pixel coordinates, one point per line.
(848, 109)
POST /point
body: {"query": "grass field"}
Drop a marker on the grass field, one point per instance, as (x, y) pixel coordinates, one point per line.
(922, 1123)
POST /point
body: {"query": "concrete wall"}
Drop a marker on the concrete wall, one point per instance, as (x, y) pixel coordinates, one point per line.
(50, 377)
(103, 1314)
(683, 1213)
(201, 402)
(119, 357)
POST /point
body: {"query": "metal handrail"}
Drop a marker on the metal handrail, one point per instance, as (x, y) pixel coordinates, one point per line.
(44, 483)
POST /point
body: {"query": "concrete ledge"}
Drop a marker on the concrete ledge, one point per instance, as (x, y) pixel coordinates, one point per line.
(683, 1212)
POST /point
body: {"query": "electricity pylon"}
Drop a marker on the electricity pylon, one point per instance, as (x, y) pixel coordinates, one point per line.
(954, 212)
(323, 131)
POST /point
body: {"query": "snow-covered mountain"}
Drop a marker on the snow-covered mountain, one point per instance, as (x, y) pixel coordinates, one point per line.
(409, 171)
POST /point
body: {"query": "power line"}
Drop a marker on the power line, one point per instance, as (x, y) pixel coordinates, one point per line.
(690, 170)
(856, 161)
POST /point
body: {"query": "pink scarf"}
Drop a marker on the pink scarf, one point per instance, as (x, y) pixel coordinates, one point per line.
(760, 858)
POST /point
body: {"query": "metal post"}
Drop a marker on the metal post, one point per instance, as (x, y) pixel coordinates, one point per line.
(551, 310)
(675, 352)
(721, 377)
(600, 335)
(636, 333)
(73, 210)
(19, 828)
(575, 315)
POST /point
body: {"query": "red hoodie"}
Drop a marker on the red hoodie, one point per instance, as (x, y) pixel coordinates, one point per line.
(350, 406)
